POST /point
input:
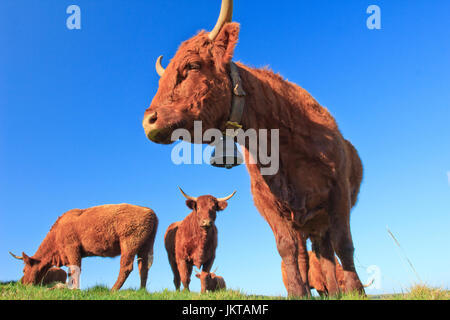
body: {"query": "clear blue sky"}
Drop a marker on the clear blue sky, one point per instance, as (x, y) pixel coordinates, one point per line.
(72, 101)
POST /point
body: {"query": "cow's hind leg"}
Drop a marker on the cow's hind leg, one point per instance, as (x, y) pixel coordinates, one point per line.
(126, 266)
(145, 261)
(341, 239)
(327, 264)
(303, 260)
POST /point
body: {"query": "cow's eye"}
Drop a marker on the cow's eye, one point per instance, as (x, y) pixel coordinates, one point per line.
(194, 66)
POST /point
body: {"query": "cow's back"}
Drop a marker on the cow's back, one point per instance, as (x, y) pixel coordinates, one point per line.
(100, 230)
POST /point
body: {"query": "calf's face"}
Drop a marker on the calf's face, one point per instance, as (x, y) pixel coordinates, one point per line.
(208, 281)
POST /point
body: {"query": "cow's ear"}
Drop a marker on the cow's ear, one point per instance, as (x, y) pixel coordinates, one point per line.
(28, 260)
(225, 43)
(191, 204)
(221, 205)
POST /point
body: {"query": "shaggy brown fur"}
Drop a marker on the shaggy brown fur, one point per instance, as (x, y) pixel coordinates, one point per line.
(320, 172)
(210, 281)
(193, 241)
(54, 275)
(315, 275)
(104, 231)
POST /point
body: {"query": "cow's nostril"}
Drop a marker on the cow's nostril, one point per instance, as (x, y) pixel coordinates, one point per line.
(152, 118)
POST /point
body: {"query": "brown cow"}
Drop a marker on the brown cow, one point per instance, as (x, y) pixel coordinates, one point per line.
(193, 241)
(54, 275)
(319, 173)
(210, 281)
(316, 277)
(105, 231)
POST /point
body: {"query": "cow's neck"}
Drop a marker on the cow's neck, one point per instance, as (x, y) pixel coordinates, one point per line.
(47, 250)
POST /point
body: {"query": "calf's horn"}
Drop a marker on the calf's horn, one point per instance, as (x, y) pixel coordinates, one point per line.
(226, 14)
(227, 198)
(14, 256)
(159, 68)
(186, 196)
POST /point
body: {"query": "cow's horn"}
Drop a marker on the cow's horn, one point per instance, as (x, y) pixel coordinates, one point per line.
(369, 284)
(226, 14)
(159, 68)
(186, 196)
(14, 256)
(227, 198)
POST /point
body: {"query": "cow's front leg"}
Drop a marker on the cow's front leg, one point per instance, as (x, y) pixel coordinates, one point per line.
(74, 264)
(185, 269)
(208, 264)
(287, 245)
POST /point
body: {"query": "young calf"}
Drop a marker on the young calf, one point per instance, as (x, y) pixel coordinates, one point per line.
(104, 231)
(210, 281)
(193, 241)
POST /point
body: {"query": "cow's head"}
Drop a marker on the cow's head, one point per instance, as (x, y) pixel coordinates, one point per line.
(208, 281)
(34, 270)
(205, 208)
(195, 86)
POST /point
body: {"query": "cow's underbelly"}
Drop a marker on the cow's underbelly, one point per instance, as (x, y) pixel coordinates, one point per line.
(100, 245)
(302, 198)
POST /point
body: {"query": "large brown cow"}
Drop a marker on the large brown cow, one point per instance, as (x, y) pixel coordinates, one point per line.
(193, 241)
(319, 172)
(105, 231)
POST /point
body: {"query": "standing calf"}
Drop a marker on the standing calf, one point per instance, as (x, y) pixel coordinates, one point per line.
(104, 231)
(193, 241)
(210, 281)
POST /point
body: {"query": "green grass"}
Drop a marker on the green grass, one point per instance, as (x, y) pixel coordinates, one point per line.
(17, 291)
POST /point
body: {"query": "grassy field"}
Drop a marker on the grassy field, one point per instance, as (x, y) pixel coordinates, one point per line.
(16, 291)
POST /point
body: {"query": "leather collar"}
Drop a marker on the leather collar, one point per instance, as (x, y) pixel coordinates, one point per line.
(238, 99)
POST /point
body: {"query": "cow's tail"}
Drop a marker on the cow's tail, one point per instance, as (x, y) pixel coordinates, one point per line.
(169, 243)
(152, 242)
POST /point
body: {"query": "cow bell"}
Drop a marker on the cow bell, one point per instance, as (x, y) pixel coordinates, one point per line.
(226, 154)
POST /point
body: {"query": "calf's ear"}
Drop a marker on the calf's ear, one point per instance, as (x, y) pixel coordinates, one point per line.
(191, 204)
(221, 205)
(225, 43)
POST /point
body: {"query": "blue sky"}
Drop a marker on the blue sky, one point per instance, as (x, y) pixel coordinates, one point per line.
(72, 101)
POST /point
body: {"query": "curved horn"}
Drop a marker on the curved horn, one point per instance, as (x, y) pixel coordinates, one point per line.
(14, 256)
(227, 198)
(186, 196)
(369, 284)
(159, 68)
(226, 14)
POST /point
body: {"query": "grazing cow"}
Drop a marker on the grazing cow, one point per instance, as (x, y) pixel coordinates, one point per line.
(193, 241)
(319, 173)
(54, 275)
(316, 278)
(210, 281)
(104, 231)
